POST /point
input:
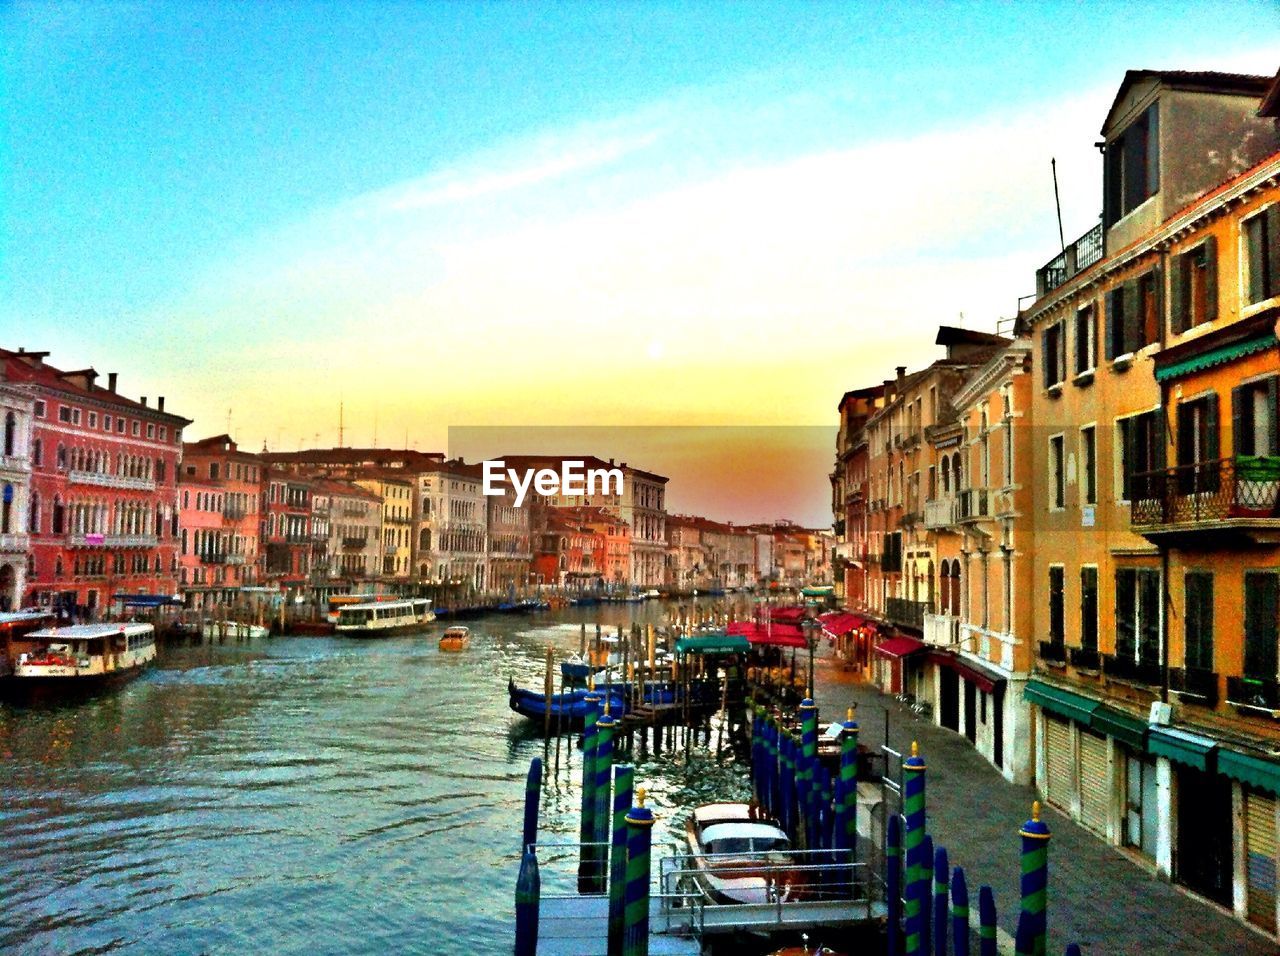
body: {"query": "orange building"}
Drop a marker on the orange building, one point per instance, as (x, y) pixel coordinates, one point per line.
(220, 490)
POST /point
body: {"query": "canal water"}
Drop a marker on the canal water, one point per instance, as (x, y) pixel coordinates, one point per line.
(301, 795)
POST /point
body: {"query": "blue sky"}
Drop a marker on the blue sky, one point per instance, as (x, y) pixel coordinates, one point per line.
(541, 200)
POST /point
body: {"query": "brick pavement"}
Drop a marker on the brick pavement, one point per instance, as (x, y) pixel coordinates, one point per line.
(1098, 897)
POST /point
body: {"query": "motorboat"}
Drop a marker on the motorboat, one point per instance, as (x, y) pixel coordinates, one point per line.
(455, 638)
(85, 655)
(738, 854)
(236, 630)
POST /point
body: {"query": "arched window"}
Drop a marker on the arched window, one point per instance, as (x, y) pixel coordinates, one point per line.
(6, 508)
(10, 434)
(59, 516)
(33, 514)
(424, 540)
(946, 475)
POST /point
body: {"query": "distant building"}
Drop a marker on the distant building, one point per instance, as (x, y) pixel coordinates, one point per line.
(16, 406)
(220, 488)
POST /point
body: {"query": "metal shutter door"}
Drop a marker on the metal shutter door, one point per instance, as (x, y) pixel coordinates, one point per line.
(1260, 860)
(1058, 762)
(1095, 794)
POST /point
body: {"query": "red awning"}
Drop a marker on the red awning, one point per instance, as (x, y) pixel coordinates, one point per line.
(774, 635)
(837, 623)
(788, 613)
(974, 673)
(899, 646)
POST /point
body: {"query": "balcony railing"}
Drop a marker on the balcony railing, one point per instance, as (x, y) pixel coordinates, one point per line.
(112, 540)
(890, 563)
(213, 557)
(14, 542)
(1253, 692)
(1208, 491)
(974, 504)
(906, 612)
(1200, 686)
(942, 629)
(111, 481)
(14, 463)
(355, 541)
(1124, 667)
(940, 513)
(1054, 652)
(236, 559)
(1085, 658)
(1077, 257)
(233, 512)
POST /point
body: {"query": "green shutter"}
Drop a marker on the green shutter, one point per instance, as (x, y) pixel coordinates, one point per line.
(1179, 300)
(1241, 421)
(1210, 253)
(1255, 248)
(1272, 215)
(1112, 321)
(1131, 323)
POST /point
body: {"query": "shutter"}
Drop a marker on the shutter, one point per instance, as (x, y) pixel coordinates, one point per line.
(1273, 412)
(1260, 859)
(1157, 306)
(1126, 460)
(1044, 358)
(1212, 447)
(1241, 413)
(1131, 325)
(1095, 794)
(1186, 435)
(1058, 762)
(1273, 250)
(1179, 281)
(1112, 321)
(1210, 253)
(1160, 440)
(1255, 247)
(1153, 149)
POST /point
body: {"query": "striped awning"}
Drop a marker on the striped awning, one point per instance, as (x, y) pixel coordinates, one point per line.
(1255, 771)
(1218, 356)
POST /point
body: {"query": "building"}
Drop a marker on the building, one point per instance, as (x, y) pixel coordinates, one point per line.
(396, 493)
(16, 405)
(849, 494)
(1155, 577)
(103, 508)
(508, 539)
(285, 531)
(355, 535)
(220, 488)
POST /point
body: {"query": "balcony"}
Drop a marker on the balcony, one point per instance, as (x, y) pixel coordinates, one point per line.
(907, 613)
(103, 480)
(1085, 658)
(233, 512)
(213, 557)
(236, 559)
(112, 540)
(1053, 652)
(1256, 692)
(1192, 683)
(940, 513)
(1077, 257)
(355, 541)
(10, 543)
(14, 463)
(1124, 667)
(890, 563)
(1236, 496)
(942, 629)
(974, 504)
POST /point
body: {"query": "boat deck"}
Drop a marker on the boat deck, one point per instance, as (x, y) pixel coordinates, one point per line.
(579, 926)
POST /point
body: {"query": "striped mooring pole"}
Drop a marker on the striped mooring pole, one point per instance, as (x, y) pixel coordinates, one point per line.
(623, 781)
(635, 931)
(586, 827)
(528, 893)
(600, 816)
(941, 891)
(846, 835)
(986, 921)
(913, 770)
(926, 906)
(807, 781)
(532, 797)
(1035, 878)
(893, 886)
(959, 912)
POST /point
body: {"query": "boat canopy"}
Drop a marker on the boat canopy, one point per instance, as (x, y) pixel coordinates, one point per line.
(91, 632)
(713, 644)
(147, 600)
(747, 837)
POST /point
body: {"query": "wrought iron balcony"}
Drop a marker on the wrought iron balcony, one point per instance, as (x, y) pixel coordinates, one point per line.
(907, 613)
(233, 512)
(1124, 667)
(14, 463)
(213, 557)
(355, 541)
(1086, 658)
(974, 504)
(1253, 692)
(236, 559)
(940, 513)
(102, 479)
(1200, 686)
(1077, 257)
(112, 540)
(1206, 496)
(1053, 652)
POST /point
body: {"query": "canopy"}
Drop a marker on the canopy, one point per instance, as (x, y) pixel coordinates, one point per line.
(819, 591)
(1256, 771)
(837, 623)
(775, 635)
(1182, 746)
(712, 644)
(971, 671)
(790, 613)
(147, 600)
(899, 646)
(1061, 702)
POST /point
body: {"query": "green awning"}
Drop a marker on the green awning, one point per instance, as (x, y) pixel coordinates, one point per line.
(1181, 746)
(1117, 724)
(713, 644)
(822, 591)
(1218, 356)
(1255, 771)
(1059, 701)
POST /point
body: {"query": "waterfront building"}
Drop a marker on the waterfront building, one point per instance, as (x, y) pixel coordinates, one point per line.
(16, 405)
(566, 553)
(766, 572)
(508, 540)
(220, 491)
(285, 531)
(1155, 579)
(354, 529)
(463, 532)
(344, 462)
(849, 494)
(685, 557)
(102, 516)
(395, 491)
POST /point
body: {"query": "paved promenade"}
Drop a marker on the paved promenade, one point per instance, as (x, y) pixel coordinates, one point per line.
(1098, 897)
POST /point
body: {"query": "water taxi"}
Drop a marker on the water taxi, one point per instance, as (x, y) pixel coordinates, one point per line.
(456, 638)
(384, 618)
(339, 601)
(86, 654)
(739, 855)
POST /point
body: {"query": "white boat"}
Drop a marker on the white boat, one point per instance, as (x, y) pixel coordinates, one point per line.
(739, 855)
(652, 593)
(236, 630)
(382, 618)
(86, 654)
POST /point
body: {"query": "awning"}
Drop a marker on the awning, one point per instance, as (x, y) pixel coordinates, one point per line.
(821, 591)
(838, 623)
(1117, 724)
(899, 646)
(712, 644)
(1182, 746)
(789, 613)
(1218, 356)
(1059, 701)
(1255, 771)
(776, 635)
(147, 600)
(973, 673)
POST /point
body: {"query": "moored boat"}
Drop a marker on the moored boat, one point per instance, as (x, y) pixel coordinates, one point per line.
(384, 618)
(235, 630)
(455, 638)
(738, 854)
(568, 709)
(85, 655)
(15, 626)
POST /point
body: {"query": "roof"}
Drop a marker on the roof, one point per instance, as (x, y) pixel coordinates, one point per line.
(25, 367)
(90, 632)
(402, 458)
(217, 445)
(954, 335)
(1271, 102)
(1206, 81)
(332, 486)
(745, 829)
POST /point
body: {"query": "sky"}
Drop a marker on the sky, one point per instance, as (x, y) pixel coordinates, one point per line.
(689, 219)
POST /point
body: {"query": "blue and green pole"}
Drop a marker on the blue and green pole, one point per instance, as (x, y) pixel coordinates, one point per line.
(600, 815)
(986, 922)
(941, 891)
(913, 770)
(893, 885)
(1035, 878)
(959, 912)
(586, 827)
(528, 893)
(846, 833)
(808, 776)
(532, 797)
(623, 782)
(926, 908)
(635, 933)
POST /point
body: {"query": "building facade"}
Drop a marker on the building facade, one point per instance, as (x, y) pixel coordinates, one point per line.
(221, 490)
(16, 405)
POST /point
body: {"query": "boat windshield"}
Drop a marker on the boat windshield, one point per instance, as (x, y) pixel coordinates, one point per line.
(747, 845)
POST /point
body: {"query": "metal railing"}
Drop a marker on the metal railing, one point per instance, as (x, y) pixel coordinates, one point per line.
(974, 504)
(1125, 667)
(355, 541)
(14, 463)
(1253, 692)
(1086, 658)
(110, 481)
(942, 629)
(1077, 257)
(1196, 683)
(112, 540)
(1203, 491)
(906, 612)
(14, 542)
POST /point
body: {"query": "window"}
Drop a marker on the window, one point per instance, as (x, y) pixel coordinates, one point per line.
(1198, 444)
(1193, 286)
(1261, 607)
(1057, 474)
(120, 425)
(1262, 254)
(40, 408)
(1198, 639)
(1089, 464)
(1089, 608)
(93, 419)
(1132, 168)
(151, 430)
(106, 423)
(1138, 625)
(134, 429)
(62, 457)
(1142, 450)
(1086, 340)
(1057, 586)
(37, 452)
(1253, 418)
(1054, 355)
(75, 416)
(1133, 314)
(64, 413)
(164, 432)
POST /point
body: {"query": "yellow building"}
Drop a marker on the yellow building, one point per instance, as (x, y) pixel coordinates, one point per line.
(397, 497)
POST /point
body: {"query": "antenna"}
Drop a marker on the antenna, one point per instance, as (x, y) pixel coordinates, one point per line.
(1053, 165)
(375, 428)
(341, 443)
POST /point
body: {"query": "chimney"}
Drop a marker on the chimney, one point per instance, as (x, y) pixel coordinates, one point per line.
(902, 373)
(160, 404)
(111, 381)
(143, 401)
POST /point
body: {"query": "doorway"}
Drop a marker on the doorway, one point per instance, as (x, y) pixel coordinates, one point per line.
(1204, 858)
(949, 698)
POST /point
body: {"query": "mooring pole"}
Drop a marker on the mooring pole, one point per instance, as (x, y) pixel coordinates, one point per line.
(636, 915)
